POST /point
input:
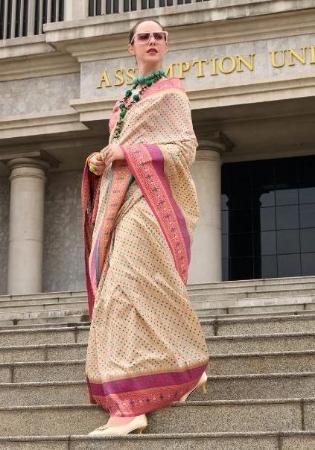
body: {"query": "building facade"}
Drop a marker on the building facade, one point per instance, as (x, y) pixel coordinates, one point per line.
(248, 67)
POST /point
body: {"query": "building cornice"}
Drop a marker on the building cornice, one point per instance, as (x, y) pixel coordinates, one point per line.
(100, 109)
(228, 95)
(48, 123)
(24, 46)
(196, 25)
(38, 66)
(191, 26)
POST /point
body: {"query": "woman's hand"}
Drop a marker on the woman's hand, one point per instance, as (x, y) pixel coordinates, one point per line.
(99, 160)
(96, 163)
(112, 152)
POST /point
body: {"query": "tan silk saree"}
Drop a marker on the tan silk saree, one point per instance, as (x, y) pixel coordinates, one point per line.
(146, 347)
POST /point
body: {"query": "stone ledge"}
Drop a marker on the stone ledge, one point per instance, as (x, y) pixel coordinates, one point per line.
(40, 124)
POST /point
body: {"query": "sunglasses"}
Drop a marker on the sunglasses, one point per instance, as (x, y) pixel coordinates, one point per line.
(143, 38)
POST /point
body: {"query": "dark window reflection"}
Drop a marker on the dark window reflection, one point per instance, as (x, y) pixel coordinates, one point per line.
(268, 243)
(307, 215)
(289, 265)
(268, 218)
(267, 199)
(288, 241)
(307, 240)
(307, 195)
(287, 217)
(308, 263)
(268, 266)
(286, 197)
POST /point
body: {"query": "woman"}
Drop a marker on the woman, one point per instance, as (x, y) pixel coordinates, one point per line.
(146, 348)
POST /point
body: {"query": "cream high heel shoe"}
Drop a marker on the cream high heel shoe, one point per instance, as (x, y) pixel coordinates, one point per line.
(137, 423)
(202, 382)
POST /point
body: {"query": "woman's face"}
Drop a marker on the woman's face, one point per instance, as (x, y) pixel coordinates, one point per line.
(140, 50)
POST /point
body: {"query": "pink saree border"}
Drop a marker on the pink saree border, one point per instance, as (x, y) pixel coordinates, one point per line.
(141, 394)
(146, 162)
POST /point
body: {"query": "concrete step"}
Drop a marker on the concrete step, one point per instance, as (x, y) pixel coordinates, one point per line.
(280, 342)
(240, 363)
(47, 299)
(302, 323)
(220, 387)
(204, 302)
(75, 305)
(260, 325)
(286, 440)
(190, 417)
(253, 282)
(58, 318)
(269, 342)
(39, 336)
(63, 322)
(216, 344)
(211, 300)
(247, 285)
(255, 307)
(213, 297)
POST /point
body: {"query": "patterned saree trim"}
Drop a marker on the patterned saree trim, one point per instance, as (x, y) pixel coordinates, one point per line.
(146, 162)
(117, 192)
(95, 253)
(90, 191)
(136, 395)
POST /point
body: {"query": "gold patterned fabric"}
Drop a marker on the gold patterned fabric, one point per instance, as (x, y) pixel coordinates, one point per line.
(146, 347)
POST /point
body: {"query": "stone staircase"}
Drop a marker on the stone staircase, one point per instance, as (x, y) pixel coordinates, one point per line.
(261, 385)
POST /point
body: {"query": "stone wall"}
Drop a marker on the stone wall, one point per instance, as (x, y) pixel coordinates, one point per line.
(63, 267)
(4, 231)
(38, 95)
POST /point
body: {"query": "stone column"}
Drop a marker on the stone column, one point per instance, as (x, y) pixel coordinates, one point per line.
(206, 251)
(26, 225)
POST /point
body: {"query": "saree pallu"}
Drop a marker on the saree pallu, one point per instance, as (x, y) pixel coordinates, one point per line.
(146, 347)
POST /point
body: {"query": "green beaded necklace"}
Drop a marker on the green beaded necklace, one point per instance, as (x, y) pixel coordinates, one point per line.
(146, 81)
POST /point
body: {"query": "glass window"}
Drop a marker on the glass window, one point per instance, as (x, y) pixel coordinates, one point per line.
(240, 221)
(287, 217)
(307, 240)
(288, 241)
(267, 219)
(241, 268)
(307, 215)
(307, 195)
(308, 263)
(225, 269)
(224, 202)
(225, 221)
(268, 243)
(269, 266)
(225, 246)
(287, 197)
(267, 199)
(289, 265)
(286, 172)
(241, 244)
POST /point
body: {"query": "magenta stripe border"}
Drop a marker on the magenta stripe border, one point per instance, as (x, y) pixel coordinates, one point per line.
(146, 381)
(158, 164)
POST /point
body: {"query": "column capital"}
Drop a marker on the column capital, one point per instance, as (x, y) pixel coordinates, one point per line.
(214, 140)
(18, 163)
(36, 159)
